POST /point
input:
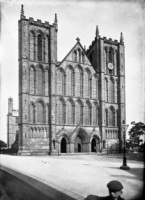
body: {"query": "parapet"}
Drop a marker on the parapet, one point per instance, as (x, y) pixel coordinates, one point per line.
(109, 41)
(38, 22)
(31, 19)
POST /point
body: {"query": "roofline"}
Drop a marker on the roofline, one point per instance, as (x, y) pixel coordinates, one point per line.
(71, 50)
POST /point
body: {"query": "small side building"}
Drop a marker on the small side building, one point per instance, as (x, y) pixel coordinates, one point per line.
(12, 123)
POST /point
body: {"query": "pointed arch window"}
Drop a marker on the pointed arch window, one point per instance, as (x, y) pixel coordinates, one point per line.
(111, 117)
(39, 46)
(32, 113)
(46, 82)
(86, 84)
(87, 114)
(94, 89)
(116, 92)
(110, 56)
(40, 113)
(78, 113)
(32, 80)
(60, 112)
(106, 88)
(40, 81)
(111, 91)
(106, 117)
(69, 81)
(78, 82)
(32, 46)
(47, 46)
(60, 82)
(69, 113)
(95, 114)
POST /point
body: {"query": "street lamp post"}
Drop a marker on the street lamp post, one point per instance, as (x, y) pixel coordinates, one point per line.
(124, 166)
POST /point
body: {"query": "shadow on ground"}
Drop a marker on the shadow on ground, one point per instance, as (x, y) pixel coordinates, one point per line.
(130, 156)
(137, 172)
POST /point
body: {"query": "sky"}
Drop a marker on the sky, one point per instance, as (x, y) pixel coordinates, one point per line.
(77, 19)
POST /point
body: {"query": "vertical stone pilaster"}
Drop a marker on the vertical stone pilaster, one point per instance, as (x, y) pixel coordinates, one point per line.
(102, 92)
(23, 81)
(44, 82)
(107, 59)
(52, 85)
(35, 81)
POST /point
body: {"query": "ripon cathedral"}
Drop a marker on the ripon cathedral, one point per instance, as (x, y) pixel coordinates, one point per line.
(76, 105)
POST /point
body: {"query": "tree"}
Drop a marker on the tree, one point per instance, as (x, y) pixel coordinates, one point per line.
(2, 144)
(135, 132)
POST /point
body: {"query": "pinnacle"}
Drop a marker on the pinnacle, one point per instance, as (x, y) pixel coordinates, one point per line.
(55, 19)
(121, 38)
(22, 11)
(97, 30)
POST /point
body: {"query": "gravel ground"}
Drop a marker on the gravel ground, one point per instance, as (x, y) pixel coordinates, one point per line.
(131, 157)
(81, 173)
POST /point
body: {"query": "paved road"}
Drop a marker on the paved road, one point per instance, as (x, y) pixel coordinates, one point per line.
(81, 174)
(3, 195)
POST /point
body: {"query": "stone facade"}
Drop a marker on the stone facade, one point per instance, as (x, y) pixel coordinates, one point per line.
(12, 123)
(77, 105)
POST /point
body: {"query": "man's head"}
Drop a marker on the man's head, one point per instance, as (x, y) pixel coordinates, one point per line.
(115, 189)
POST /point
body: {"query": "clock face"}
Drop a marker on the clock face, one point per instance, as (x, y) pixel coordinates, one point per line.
(110, 66)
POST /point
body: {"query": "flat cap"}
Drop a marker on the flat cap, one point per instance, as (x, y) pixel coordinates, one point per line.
(115, 186)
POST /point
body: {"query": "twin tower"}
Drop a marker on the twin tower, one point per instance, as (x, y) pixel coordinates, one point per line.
(76, 105)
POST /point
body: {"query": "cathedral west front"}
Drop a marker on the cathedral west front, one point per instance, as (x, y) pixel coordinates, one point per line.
(76, 105)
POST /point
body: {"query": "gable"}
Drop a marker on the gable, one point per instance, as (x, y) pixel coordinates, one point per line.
(76, 54)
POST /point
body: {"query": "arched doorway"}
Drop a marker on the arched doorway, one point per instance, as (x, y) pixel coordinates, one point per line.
(79, 147)
(78, 144)
(81, 141)
(93, 145)
(63, 145)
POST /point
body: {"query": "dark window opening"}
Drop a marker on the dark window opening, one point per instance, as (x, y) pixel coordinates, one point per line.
(39, 48)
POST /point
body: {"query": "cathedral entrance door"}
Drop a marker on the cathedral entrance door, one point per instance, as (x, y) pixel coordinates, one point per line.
(93, 145)
(81, 141)
(77, 144)
(79, 147)
(63, 145)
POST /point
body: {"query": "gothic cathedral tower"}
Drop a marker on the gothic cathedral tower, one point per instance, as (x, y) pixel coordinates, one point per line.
(37, 56)
(108, 59)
